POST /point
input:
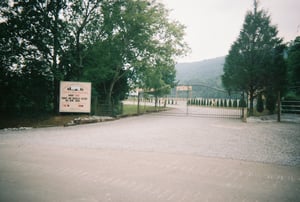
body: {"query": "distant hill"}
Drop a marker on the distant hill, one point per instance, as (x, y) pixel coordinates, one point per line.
(207, 73)
(203, 71)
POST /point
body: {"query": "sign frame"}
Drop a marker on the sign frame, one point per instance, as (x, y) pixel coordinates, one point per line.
(75, 97)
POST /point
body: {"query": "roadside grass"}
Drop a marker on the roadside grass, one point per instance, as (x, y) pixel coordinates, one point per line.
(133, 109)
(49, 120)
(264, 113)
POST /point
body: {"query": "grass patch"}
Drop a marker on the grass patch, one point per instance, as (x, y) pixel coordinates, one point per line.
(133, 109)
(264, 113)
(129, 109)
(48, 120)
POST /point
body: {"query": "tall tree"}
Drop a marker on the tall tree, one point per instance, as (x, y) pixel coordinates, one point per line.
(136, 35)
(159, 80)
(251, 54)
(28, 45)
(84, 22)
(57, 27)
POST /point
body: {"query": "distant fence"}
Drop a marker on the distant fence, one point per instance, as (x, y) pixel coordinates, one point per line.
(216, 107)
(197, 100)
(103, 109)
(290, 107)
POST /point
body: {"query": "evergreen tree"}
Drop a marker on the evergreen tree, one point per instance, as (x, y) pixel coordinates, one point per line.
(230, 103)
(235, 103)
(276, 78)
(250, 56)
(294, 66)
(225, 103)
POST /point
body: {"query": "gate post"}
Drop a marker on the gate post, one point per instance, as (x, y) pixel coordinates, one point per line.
(278, 107)
(244, 114)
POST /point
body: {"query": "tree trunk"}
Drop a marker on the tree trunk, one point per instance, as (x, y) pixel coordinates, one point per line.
(54, 61)
(156, 101)
(79, 65)
(110, 91)
(251, 98)
(116, 77)
(109, 95)
(56, 96)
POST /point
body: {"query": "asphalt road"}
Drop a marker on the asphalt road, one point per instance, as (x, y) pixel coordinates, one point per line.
(153, 158)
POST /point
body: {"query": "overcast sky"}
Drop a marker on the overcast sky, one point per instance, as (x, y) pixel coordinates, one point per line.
(213, 25)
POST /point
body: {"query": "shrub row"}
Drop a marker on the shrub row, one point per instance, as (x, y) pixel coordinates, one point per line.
(216, 102)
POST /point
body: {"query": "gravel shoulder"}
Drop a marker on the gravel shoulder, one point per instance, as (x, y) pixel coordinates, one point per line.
(153, 158)
(267, 142)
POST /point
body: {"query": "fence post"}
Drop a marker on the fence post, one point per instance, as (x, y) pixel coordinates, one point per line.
(96, 105)
(278, 107)
(187, 98)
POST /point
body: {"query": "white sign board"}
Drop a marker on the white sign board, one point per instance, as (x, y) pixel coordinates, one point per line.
(183, 88)
(75, 97)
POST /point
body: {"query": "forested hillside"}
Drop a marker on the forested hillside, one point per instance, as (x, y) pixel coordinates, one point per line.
(206, 71)
(204, 76)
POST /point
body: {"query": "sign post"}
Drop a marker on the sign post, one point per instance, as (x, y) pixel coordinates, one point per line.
(188, 90)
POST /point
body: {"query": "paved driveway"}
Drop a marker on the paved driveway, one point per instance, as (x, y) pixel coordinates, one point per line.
(153, 158)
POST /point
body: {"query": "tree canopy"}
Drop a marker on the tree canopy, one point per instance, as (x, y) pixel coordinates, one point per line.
(115, 44)
(138, 38)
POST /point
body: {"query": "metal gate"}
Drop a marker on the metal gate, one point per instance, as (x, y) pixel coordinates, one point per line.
(183, 108)
(290, 107)
(203, 101)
